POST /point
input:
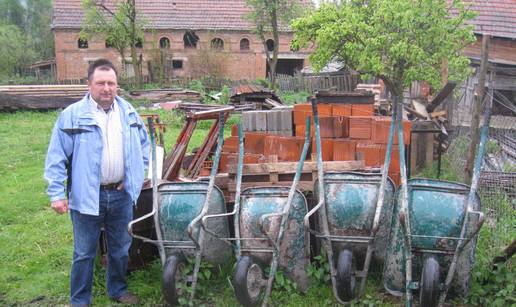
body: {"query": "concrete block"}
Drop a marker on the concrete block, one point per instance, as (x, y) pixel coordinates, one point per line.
(254, 120)
(279, 120)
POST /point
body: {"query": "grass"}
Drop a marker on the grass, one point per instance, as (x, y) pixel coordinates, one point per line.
(36, 243)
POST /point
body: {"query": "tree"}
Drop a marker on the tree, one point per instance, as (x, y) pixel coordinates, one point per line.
(122, 28)
(13, 48)
(268, 16)
(398, 41)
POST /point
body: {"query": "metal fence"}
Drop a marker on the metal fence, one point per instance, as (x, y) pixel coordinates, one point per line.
(498, 176)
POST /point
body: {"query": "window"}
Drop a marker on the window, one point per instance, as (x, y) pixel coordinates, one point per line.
(217, 44)
(244, 44)
(177, 64)
(270, 45)
(139, 43)
(82, 43)
(190, 39)
(164, 43)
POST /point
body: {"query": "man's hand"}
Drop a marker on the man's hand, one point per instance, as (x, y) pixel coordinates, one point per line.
(60, 206)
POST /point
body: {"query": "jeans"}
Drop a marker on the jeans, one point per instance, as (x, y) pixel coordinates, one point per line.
(115, 212)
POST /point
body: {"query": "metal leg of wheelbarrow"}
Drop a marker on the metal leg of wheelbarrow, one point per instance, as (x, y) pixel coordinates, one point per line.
(379, 203)
(199, 238)
(321, 203)
(404, 216)
(470, 200)
(284, 216)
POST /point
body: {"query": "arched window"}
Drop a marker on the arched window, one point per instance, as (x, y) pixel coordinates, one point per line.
(190, 39)
(244, 44)
(164, 43)
(217, 44)
(270, 45)
(82, 43)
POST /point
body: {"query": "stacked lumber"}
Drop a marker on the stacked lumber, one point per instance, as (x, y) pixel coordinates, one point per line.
(77, 90)
(39, 97)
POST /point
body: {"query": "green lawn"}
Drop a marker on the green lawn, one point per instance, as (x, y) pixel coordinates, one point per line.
(36, 243)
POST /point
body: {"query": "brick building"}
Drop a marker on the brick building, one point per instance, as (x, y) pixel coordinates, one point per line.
(195, 38)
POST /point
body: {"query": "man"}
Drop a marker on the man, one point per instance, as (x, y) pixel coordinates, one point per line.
(99, 146)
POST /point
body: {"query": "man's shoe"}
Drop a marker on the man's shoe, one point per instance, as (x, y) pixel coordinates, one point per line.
(127, 299)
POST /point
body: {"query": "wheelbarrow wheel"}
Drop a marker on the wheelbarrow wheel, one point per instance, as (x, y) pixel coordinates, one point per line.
(172, 279)
(345, 276)
(249, 285)
(429, 288)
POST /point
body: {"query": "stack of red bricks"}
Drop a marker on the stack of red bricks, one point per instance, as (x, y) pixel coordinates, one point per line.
(348, 132)
(352, 132)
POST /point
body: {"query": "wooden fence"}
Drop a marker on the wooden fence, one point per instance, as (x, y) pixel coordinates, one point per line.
(311, 84)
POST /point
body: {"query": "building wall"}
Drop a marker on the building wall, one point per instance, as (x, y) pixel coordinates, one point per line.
(231, 62)
(502, 50)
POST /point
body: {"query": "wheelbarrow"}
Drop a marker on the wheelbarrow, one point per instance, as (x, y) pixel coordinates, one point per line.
(178, 208)
(354, 213)
(268, 231)
(434, 230)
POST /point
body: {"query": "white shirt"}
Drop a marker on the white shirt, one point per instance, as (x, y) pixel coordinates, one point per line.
(112, 165)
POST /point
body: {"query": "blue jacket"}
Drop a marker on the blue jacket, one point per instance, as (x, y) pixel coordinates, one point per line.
(76, 145)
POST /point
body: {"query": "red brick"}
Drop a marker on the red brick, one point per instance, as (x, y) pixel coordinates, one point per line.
(360, 127)
(344, 150)
(341, 110)
(362, 110)
(230, 145)
(380, 130)
(326, 148)
(234, 130)
(303, 110)
(285, 148)
(232, 159)
(254, 143)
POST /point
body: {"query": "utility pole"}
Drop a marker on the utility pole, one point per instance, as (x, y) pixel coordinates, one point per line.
(477, 109)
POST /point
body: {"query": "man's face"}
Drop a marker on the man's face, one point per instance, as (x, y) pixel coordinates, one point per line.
(103, 86)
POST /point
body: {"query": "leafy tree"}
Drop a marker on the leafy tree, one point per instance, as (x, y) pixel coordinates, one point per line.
(13, 48)
(398, 41)
(122, 28)
(12, 12)
(37, 26)
(268, 16)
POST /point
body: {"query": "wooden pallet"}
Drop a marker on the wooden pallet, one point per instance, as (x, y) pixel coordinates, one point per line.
(279, 174)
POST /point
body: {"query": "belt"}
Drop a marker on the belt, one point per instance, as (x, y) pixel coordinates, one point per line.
(110, 186)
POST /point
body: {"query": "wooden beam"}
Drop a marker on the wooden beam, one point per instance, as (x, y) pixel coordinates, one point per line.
(290, 167)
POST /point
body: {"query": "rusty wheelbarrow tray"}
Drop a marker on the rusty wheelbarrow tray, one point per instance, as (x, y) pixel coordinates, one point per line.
(178, 208)
(268, 230)
(434, 229)
(354, 212)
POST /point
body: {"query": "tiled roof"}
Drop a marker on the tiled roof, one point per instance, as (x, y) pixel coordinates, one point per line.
(167, 14)
(496, 17)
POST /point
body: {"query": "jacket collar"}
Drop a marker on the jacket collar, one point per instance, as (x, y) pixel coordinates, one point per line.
(85, 107)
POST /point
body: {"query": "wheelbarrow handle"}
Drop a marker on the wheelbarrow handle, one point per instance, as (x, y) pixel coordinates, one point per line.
(204, 220)
(306, 219)
(261, 222)
(477, 229)
(131, 223)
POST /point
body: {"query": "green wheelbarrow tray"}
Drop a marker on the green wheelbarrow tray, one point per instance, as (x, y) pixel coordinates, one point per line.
(351, 200)
(436, 211)
(180, 204)
(260, 216)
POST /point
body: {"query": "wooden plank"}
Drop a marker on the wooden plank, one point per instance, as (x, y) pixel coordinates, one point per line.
(290, 167)
(302, 185)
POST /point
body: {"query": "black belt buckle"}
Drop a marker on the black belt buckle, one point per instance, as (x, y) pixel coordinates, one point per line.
(110, 186)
